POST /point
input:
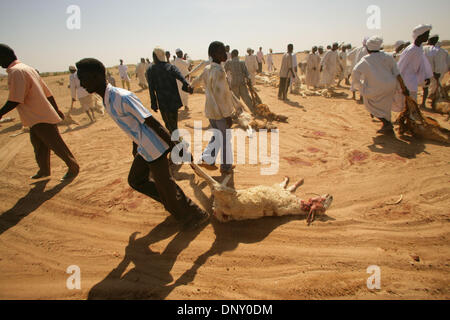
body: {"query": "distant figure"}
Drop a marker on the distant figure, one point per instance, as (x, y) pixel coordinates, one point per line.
(37, 108)
(328, 67)
(261, 60)
(270, 66)
(398, 48)
(227, 49)
(140, 73)
(162, 85)
(313, 69)
(78, 92)
(438, 60)
(342, 66)
(356, 55)
(286, 72)
(376, 77)
(413, 65)
(183, 67)
(110, 79)
(168, 56)
(320, 52)
(252, 65)
(123, 73)
(239, 78)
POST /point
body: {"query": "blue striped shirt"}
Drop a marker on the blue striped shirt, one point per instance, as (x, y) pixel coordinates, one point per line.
(128, 112)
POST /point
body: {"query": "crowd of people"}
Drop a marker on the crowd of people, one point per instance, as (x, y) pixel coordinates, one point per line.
(378, 76)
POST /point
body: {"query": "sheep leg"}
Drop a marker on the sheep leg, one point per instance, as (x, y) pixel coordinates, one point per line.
(284, 183)
(295, 186)
(212, 183)
(226, 180)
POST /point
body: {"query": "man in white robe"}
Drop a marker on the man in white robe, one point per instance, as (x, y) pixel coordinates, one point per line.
(270, 66)
(313, 69)
(413, 65)
(358, 54)
(252, 64)
(342, 66)
(398, 48)
(140, 73)
(377, 78)
(438, 61)
(123, 73)
(183, 66)
(294, 76)
(328, 67)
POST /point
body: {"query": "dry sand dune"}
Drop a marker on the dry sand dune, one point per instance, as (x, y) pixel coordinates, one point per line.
(127, 247)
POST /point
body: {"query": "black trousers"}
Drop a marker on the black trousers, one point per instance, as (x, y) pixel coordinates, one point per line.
(161, 187)
(170, 120)
(45, 137)
(283, 88)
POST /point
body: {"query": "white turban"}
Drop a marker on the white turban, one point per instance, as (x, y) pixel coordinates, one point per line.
(374, 43)
(178, 50)
(399, 43)
(160, 54)
(420, 30)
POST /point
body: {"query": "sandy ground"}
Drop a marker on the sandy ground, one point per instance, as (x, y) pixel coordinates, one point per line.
(128, 248)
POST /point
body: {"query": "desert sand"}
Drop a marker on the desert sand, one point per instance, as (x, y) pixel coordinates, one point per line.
(127, 247)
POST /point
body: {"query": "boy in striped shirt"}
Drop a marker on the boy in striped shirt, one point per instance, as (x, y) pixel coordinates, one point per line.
(151, 145)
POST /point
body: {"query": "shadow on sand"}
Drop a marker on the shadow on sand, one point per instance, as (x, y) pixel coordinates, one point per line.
(150, 278)
(29, 203)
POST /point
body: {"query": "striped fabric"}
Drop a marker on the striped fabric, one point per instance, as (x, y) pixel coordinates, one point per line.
(128, 112)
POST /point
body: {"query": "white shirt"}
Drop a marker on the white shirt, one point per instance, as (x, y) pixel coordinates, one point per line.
(414, 67)
(219, 100)
(437, 58)
(123, 71)
(251, 63)
(182, 65)
(76, 90)
(260, 56)
(128, 112)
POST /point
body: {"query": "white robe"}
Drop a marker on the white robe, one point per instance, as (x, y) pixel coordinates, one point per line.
(329, 64)
(312, 70)
(183, 66)
(269, 62)
(342, 70)
(414, 67)
(140, 71)
(359, 53)
(252, 66)
(375, 77)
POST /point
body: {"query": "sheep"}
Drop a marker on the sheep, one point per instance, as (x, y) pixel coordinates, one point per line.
(261, 201)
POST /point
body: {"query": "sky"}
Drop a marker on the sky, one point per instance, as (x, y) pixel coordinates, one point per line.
(110, 30)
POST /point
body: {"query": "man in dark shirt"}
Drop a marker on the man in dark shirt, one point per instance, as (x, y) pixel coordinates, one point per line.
(239, 78)
(162, 84)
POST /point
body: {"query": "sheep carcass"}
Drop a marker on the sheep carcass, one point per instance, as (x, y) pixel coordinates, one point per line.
(261, 201)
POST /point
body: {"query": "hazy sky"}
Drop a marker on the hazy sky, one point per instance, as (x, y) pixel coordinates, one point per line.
(114, 29)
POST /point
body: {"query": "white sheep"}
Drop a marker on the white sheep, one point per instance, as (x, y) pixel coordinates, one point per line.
(261, 201)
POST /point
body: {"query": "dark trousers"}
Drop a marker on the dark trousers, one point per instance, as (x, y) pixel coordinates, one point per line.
(45, 137)
(241, 91)
(170, 120)
(161, 187)
(283, 89)
(259, 67)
